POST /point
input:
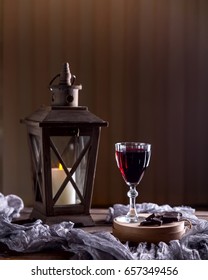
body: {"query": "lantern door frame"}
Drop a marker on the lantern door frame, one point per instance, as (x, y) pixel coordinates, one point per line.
(46, 209)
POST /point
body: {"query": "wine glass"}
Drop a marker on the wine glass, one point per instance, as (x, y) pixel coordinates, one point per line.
(132, 159)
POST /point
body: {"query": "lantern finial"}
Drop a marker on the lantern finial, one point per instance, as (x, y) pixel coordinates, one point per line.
(65, 77)
(65, 93)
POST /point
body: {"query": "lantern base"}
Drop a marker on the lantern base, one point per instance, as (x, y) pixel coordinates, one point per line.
(79, 220)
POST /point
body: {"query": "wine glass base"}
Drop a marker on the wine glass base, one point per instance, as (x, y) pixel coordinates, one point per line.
(128, 219)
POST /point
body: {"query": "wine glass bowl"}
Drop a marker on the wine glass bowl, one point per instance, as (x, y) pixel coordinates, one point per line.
(132, 160)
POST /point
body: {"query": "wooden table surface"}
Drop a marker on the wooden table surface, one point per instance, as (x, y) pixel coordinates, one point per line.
(98, 215)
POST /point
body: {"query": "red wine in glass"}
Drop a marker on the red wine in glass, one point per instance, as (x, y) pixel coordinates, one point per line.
(132, 159)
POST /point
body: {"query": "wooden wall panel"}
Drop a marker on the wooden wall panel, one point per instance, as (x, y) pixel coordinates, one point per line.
(117, 104)
(143, 67)
(176, 101)
(1, 95)
(10, 97)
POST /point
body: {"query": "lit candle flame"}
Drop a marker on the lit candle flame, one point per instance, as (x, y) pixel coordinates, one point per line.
(60, 167)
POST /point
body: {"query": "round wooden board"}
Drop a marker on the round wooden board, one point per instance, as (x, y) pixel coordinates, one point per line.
(151, 234)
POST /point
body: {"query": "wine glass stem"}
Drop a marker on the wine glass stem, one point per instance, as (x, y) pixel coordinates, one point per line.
(132, 214)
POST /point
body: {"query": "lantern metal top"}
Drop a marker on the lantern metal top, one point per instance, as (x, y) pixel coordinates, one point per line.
(64, 116)
(64, 110)
(65, 93)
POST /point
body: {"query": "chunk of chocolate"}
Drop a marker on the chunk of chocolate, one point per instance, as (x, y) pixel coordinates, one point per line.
(150, 217)
(151, 222)
(169, 217)
(161, 218)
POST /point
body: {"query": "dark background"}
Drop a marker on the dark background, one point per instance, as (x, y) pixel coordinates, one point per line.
(143, 65)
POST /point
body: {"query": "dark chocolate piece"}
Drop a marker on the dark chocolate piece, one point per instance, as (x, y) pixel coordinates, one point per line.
(169, 217)
(152, 222)
(149, 218)
(162, 218)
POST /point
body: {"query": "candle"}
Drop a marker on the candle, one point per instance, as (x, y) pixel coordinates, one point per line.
(68, 196)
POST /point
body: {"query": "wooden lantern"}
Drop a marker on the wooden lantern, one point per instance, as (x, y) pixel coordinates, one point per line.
(64, 142)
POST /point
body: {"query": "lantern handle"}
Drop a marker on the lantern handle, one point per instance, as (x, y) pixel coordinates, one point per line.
(58, 75)
(73, 78)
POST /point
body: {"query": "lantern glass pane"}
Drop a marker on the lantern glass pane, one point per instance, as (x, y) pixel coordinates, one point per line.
(69, 157)
(36, 166)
